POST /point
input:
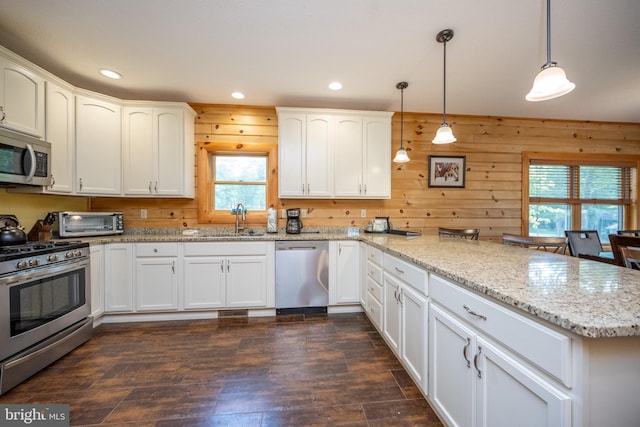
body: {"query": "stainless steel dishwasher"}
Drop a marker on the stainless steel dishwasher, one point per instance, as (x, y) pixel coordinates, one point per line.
(302, 276)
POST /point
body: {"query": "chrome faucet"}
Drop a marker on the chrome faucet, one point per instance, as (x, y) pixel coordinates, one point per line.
(244, 217)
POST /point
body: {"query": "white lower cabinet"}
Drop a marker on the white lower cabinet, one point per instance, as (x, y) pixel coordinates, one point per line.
(118, 277)
(344, 272)
(406, 316)
(97, 280)
(156, 276)
(474, 381)
(228, 275)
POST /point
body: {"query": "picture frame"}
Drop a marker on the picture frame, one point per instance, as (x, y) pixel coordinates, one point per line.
(447, 171)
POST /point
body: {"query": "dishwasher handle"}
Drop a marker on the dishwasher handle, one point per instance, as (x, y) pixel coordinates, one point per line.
(296, 248)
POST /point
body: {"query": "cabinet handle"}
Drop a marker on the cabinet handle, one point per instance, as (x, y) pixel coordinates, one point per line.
(339, 249)
(173, 267)
(53, 181)
(155, 187)
(80, 184)
(222, 267)
(464, 352)
(473, 313)
(399, 271)
(150, 191)
(365, 189)
(308, 189)
(475, 361)
(4, 114)
(302, 188)
(228, 268)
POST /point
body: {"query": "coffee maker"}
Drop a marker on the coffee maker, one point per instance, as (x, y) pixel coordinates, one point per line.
(294, 224)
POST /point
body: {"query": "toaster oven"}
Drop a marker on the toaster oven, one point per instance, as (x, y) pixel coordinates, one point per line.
(85, 224)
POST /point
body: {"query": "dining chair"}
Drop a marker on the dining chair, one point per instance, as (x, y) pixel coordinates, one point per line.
(583, 242)
(626, 250)
(463, 233)
(556, 245)
(633, 233)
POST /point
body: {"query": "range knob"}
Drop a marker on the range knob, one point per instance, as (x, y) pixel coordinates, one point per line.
(77, 252)
(69, 254)
(34, 262)
(22, 264)
(52, 258)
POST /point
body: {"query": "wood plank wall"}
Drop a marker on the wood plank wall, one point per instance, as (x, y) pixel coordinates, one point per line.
(491, 199)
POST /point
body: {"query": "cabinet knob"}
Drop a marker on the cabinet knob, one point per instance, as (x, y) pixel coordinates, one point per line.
(155, 250)
(4, 114)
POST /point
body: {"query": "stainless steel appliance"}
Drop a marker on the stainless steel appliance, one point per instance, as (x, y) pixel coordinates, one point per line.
(84, 224)
(24, 160)
(302, 276)
(294, 224)
(45, 298)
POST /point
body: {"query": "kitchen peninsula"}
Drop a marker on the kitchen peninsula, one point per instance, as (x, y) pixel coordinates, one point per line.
(531, 325)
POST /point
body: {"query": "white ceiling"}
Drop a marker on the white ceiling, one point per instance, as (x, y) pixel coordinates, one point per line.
(286, 52)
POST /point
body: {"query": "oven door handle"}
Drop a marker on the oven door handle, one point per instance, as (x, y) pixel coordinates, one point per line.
(43, 272)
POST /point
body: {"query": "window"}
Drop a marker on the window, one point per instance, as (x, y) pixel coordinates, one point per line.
(582, 194)
(230, 173)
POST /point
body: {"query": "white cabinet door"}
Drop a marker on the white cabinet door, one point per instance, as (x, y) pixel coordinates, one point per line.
(531, 400)
(348, 157)
(344, 272)
(451, 373)
(204, 282)
(156, 284)
(98, 146)
(118, 263)
(169, 154)
(60, 132)
(246, 281)
(318, 170)
(21, 99)
(414, 342)
(391, 309)
(363, 276)
(291, 154)
(138, 148)
(97, 280)
(377, 157)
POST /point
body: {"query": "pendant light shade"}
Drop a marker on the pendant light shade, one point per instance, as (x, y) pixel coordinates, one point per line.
(444, 135)
(551, 82)
(401, 154)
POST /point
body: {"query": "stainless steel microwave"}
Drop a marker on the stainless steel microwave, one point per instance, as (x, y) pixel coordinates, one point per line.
(85, 224)
(24, 160)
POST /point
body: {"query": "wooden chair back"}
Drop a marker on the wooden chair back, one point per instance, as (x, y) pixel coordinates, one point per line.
(467, 233)
(633, 233)
(556, 245)
(583, 242)
(626, 250)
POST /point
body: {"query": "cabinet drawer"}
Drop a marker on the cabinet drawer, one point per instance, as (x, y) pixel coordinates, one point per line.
(156, 249)
(546, 348)
(374, 272)
(408, 273)
(374, 311)
(225, 248)
(374, 255)
(374, 288)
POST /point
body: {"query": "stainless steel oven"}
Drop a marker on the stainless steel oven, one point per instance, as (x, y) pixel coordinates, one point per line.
(45, 298)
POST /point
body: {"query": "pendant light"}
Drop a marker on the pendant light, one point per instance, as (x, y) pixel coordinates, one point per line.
(551, 82)
(401, 155)
(444, 135)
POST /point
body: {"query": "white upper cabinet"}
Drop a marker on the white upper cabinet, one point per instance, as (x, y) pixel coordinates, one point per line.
(60, 132)
(21, 99)
(158, 150)
(334, 153)
(98, 146)
(304, 152)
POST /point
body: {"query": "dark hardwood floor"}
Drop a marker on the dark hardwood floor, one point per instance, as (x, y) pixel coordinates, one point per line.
(322, 370)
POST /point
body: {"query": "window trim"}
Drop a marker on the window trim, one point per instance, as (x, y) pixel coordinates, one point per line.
(631, 211)
(204, 179)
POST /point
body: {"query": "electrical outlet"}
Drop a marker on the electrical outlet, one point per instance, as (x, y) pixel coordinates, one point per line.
(363, 213)
(283, 213)
(303, 213)
(143, 213)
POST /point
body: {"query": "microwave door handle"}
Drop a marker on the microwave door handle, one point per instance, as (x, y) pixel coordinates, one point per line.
(30, 163)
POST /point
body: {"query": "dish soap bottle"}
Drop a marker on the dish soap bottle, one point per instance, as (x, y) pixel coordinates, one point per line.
(272, 220)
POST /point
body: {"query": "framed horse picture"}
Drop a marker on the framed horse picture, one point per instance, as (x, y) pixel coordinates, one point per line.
(447, 171)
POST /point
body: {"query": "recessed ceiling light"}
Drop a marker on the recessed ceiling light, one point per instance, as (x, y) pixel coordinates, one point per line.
(335, 85)
(110, 74)
(238, 95)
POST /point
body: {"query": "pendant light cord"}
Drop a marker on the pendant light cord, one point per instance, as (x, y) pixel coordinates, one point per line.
(401, 115)
(444, 86)
(549, 63)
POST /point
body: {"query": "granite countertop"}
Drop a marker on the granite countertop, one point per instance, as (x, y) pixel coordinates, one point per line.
(588, 298)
